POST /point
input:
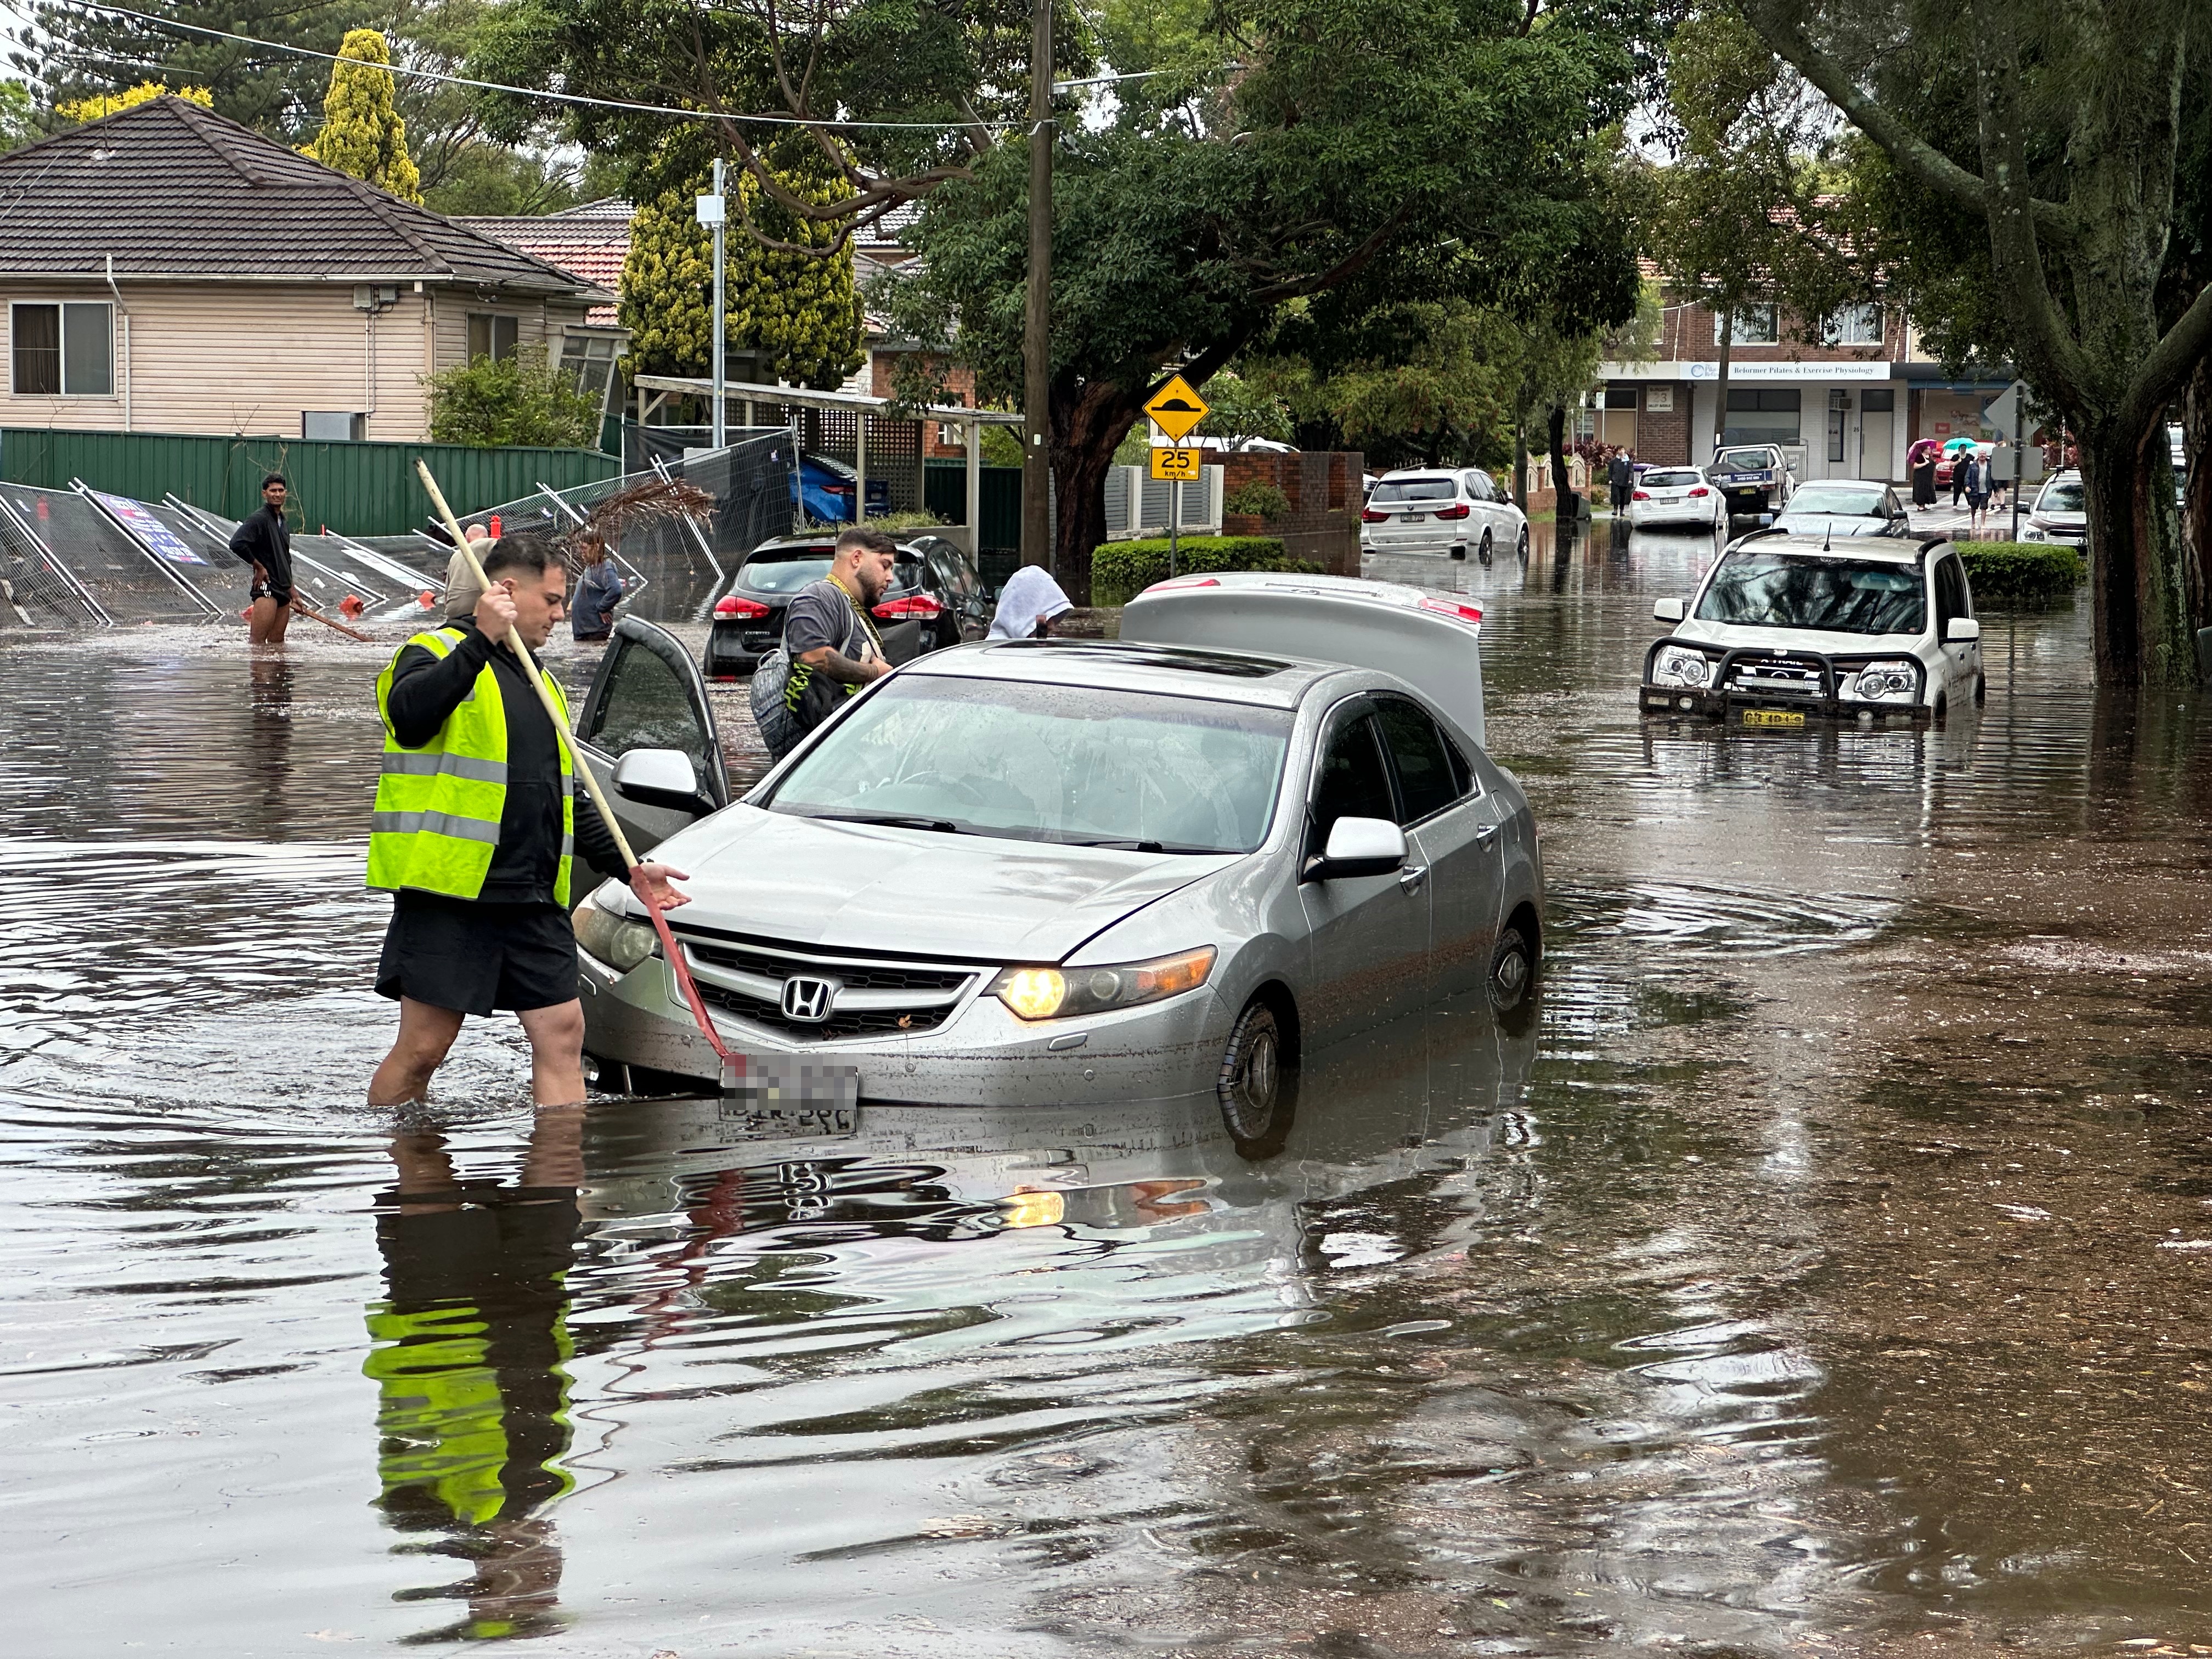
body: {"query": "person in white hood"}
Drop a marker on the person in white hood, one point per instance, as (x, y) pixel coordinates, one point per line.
(1027, 604)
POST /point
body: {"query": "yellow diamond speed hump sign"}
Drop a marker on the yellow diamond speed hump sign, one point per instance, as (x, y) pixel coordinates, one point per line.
(1176, 408)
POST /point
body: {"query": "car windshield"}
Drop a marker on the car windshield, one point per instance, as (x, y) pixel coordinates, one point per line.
(1068, 764)
(1415, 490)
(1846, 503)
(780, 570)
(1762, 589)
(2061, 498)
(1744, 460)
(1672, 480)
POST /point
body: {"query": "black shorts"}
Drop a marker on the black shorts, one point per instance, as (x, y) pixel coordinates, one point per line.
(263, 590)
(474, 957)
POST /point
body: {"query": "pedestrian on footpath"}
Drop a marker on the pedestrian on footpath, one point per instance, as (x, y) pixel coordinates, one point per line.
(265, 542)
(1961, 464)
(1923, 474)
(1620, 474)
(461, 590)
(477, 823)
(598, 590)
(1981, 483)
(833, 647)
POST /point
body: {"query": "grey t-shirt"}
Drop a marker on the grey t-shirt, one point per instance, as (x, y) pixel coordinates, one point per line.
(823, 614)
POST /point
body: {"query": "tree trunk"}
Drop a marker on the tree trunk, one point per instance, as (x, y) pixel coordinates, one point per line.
(2196, 506)
(2139, 611)
(1720, 393)
(1564, 506)
(1520, 467)
(1088, 424)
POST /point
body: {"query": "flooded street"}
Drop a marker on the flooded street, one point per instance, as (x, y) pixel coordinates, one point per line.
(1822, 1269)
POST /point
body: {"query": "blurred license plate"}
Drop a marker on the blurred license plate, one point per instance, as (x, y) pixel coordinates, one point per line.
(1747, 477)
(1411, 518)
(1773, 717)
(790, 1095)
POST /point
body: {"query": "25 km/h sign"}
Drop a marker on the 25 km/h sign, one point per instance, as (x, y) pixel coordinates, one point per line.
(1176, 408)
(1176, 464)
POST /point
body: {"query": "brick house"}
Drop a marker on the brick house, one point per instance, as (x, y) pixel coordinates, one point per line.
(1324, 490)
(1849, 407)
(167, 269)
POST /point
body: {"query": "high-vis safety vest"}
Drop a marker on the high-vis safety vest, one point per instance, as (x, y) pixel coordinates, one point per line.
(436, 822)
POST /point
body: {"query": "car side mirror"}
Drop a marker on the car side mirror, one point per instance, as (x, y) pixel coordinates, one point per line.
(1359, 846)
(1959, 629)
(1669, 611)
(661, 777)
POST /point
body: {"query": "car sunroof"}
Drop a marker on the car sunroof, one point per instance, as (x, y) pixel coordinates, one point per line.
(1184, 661)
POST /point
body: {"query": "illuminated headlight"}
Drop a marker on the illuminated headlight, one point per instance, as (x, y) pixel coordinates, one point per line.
(1065, 992)
(1887, 682)
(616, 940)
(1681, 668)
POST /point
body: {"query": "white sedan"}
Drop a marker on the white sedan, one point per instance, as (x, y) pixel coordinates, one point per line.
(1676, 496)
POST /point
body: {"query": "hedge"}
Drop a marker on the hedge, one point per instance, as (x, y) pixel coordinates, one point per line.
(1120, 570)
(2021, 573)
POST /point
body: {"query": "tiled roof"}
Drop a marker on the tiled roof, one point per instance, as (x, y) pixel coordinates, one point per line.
(589, 241)
(169, 188)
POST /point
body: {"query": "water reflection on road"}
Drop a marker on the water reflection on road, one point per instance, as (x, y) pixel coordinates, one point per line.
(1822, 1263)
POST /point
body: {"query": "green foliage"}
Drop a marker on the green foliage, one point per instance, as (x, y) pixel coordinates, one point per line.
(362, 134)
(520, 400)
(915, 519)
(1000, 446)
(96, 105)
(67, 53)
(2021, 573)
(1120, 570)
(801, 309)
(1258, 499)
(1237, 410)
(18, 114)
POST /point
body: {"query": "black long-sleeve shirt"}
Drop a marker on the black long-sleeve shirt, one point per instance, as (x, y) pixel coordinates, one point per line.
(266, 540)
(425, 691)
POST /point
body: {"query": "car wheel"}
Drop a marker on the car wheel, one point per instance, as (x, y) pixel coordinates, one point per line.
(1942, 707)
(1257, 1086)
(1520, 548)
(1512, 970)
(1981, 688)
(1482, 553)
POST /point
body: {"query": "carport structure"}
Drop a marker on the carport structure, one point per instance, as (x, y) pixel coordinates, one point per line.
(852, 427)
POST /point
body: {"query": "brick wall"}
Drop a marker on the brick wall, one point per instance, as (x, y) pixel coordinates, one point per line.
(1323, 488)
(960, 384)
(1662, 437)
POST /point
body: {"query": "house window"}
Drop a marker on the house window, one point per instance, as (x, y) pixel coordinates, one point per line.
(492, 336)
(588, 361)
(1620, 397)
(63, 349)
(1754, 326)
(1853, 325)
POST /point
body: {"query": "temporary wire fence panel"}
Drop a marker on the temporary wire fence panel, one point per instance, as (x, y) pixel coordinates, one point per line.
(37, 594)
(128, 582)
(355, 488)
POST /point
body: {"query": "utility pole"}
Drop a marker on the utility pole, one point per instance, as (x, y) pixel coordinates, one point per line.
(2018, 460)
(719, 429)
(1037, 323)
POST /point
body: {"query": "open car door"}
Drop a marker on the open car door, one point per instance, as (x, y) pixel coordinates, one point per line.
(648, 695)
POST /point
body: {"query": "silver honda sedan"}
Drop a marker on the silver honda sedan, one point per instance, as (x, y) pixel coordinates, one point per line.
(1062, 873)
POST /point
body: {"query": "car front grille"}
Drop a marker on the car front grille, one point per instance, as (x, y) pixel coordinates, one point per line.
(872, 996)
(1786, 676)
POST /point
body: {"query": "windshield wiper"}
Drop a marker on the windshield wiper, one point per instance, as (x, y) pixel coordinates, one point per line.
(898, 821)
(1126, 846)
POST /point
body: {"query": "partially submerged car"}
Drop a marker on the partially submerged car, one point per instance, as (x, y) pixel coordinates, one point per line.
(1675, 495)
(1441, 510)
(1064, 872)
(1754, 478)
(2060, 513)
(1784, 628)
(1832, 508)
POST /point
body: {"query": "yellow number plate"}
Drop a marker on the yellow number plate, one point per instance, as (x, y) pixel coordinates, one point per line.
(1773, 717)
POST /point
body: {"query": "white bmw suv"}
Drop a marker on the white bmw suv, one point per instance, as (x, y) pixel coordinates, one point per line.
(1432, 510)
(1786, 629)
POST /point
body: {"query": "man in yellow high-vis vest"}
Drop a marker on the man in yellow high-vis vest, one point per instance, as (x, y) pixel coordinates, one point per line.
(476, 827)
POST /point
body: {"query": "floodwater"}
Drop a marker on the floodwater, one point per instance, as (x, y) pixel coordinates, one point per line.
(1822, 1269)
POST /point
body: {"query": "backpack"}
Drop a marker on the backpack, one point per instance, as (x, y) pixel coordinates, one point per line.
(772, 711)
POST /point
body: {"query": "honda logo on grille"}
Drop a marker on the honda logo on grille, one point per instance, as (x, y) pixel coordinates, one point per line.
(808, 999)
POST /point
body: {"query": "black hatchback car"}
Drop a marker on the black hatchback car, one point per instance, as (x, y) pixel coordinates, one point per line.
(935, 599)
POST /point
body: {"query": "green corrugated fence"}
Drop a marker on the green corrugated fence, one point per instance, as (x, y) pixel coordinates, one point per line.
(944, 492)
(354, 488)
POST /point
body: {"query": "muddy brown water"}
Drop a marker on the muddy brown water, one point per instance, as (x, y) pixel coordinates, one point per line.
(1824, 1268)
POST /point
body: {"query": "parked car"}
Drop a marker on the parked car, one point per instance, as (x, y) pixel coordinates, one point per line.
(1948, 460)
(2059, 515)
(1675, 495)
(1844, 506)
(1064, 872)
(1430, 510)
(935, 599)
(1783, 628)
(1754, 477)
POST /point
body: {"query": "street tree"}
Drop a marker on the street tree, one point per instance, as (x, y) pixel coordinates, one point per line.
(2073, 165)
(362, 134)
(93, 106)
(492, 402)
(67, 53)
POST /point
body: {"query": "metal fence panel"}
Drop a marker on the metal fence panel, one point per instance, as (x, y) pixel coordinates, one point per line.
(945, 494)
(352, 489)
